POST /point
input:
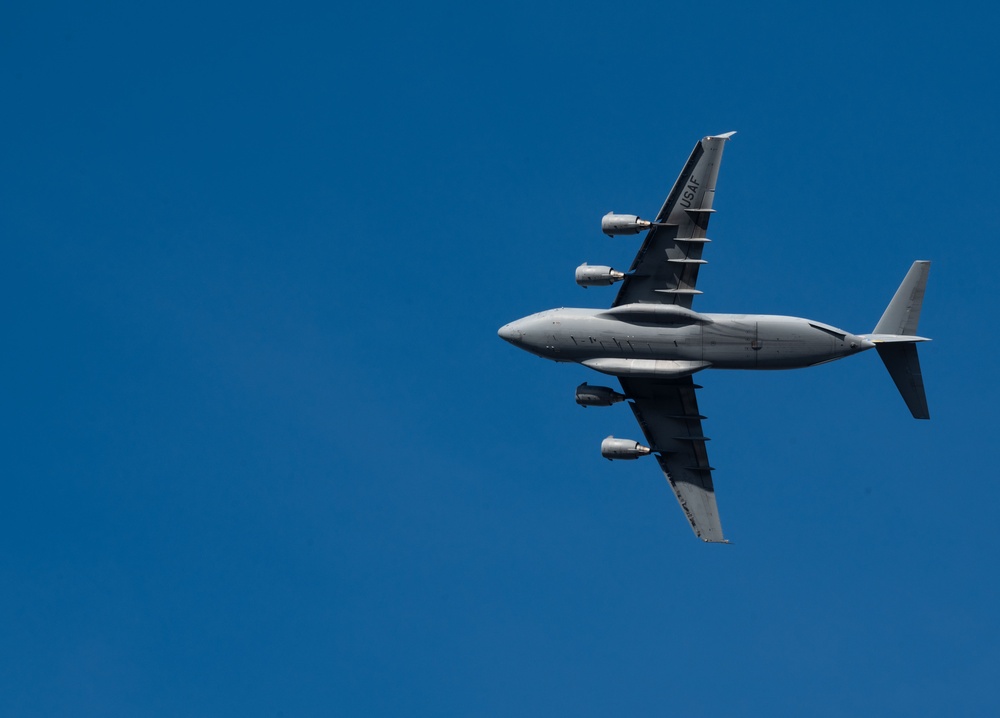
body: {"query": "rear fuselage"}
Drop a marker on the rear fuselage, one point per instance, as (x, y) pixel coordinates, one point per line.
(719, 341)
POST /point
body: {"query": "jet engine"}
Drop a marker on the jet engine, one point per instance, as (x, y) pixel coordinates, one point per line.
(587, 395)
(612, 448)
(597, 276)
(612, 224)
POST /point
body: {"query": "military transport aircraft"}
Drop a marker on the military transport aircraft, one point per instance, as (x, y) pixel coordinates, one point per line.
(654, 342)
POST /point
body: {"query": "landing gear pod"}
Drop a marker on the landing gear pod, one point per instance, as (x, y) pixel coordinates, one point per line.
(612, 448)
(597, 276)
(612, 224)
(587, 395)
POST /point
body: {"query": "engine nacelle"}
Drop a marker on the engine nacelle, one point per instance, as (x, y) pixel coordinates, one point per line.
(612, 448)
(597, 276)
(587, 395)
(612, 224)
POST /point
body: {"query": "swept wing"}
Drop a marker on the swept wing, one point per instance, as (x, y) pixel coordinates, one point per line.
(667, 412)
(665, 271)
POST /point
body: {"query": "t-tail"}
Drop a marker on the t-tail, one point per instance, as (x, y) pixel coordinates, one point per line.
(895, 338)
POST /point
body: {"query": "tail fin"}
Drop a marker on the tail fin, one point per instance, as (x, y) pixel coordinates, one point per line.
(895, 339)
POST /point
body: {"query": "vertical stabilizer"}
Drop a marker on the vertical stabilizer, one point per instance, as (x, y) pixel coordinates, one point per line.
(903, 312)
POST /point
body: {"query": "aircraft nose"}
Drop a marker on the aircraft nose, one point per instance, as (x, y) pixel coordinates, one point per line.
(508, 333)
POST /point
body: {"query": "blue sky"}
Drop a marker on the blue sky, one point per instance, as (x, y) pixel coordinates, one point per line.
(265, 454)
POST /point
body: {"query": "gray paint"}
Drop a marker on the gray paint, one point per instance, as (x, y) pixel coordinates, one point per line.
(721, 341)
(903, 312)
(654, 342)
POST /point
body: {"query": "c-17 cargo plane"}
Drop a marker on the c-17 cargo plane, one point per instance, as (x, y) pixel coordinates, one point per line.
(654, 342)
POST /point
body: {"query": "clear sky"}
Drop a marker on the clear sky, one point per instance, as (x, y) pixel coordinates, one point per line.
(264, 454)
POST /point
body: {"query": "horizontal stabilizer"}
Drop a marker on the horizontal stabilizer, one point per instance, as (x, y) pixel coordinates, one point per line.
(903, 312)
(896, 341)
(900, 358)
(891, 338)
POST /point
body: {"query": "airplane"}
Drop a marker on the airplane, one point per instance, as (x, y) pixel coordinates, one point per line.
(653, 341)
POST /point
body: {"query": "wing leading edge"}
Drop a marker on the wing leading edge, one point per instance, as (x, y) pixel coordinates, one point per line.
(667, 412)
(665, 270)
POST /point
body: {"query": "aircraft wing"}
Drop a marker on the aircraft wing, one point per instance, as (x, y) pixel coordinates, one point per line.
(667, 411)
(665, 270)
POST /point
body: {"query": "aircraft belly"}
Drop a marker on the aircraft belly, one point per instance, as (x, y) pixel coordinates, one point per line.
(765, 342)
(787, 344)
(792, 352)
(611, 339)
(728, 342)
(683, 343)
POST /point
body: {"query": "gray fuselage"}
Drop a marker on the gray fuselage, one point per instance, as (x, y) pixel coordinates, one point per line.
(687, 342)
